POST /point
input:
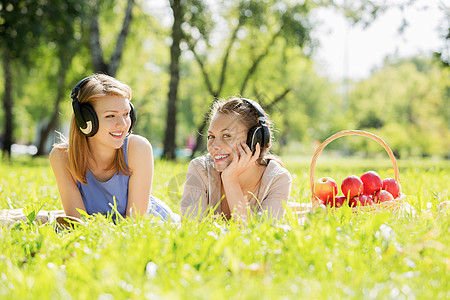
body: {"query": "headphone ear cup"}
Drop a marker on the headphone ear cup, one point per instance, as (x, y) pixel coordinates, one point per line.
(265, 136)
(255, 136)
(76, 106)
(90, 120)
(132, 117)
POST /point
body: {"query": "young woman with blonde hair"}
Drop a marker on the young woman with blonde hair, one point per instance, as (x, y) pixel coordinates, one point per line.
(238, 174)
(103, 165)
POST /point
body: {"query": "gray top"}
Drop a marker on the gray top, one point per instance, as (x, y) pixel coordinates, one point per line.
(202, 189)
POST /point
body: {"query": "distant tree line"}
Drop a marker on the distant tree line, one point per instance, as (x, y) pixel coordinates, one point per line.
(179, 56)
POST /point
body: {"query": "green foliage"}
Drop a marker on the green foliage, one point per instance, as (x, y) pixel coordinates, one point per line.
(145, 71)
(24, 23)
(20, 27)
(405, 102)
(331, 255)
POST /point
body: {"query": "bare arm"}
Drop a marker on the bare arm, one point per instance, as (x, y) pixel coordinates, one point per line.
(67, 186)
(140, 162)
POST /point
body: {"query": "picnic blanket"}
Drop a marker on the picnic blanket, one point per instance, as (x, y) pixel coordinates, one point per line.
(10, 217)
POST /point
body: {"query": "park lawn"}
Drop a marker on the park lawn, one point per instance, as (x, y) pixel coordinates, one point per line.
(331, 255)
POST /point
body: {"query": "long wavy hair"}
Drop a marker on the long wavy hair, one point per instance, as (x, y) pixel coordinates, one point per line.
(247, 115)
(97, 87)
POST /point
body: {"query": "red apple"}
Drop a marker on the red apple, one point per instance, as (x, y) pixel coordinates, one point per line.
(382, 196)
(372, 182)
(391, 185)
(338, 201)
(352, 186)
(361, 200)
(325, 189)
(366, 200)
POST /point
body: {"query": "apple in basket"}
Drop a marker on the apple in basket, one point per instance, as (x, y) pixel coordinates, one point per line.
(391, 185)
(325, 189)
(361, 200)
(382, 196)
(352, 186)
(372, 182)
(336, 202)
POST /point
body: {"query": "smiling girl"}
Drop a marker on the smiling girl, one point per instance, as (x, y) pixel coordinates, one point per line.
(237, 173)
(103, 164)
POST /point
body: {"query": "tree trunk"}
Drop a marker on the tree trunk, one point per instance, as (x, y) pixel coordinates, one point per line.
(171, 120)
(120, 44)
(7, 106)
(98, 60)
(53, 123)
(94, 43)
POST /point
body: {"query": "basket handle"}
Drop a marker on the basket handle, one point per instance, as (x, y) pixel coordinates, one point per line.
(319, 149)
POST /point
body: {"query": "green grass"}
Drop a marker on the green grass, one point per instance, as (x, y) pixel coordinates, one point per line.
(340, 255)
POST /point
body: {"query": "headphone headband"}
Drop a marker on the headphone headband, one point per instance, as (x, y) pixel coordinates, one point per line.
(77, 88)
(258, 109)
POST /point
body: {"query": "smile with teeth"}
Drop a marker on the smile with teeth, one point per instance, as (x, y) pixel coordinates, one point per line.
(116, 134)
(220, 157)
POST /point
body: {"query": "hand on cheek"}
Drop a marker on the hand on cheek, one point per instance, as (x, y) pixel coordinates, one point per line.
(242, 160)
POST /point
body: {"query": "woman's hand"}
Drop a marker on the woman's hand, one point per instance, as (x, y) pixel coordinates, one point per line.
(242, 160)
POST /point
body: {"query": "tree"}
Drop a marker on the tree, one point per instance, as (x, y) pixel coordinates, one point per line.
(181, 11)
(20, 30)
(60, 21)
(249, 32)
(277, 20)
(405, 101)
(98, 60)
(174, 69)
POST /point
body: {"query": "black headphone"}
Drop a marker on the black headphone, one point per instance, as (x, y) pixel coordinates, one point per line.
(258, 134)
(85, 116)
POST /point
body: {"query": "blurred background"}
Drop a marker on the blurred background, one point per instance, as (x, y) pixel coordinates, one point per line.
(317, 67)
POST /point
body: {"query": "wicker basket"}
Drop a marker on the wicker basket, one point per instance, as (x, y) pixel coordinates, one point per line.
(393, 205)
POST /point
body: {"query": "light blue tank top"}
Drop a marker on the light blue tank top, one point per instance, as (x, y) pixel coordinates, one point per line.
(98, 197)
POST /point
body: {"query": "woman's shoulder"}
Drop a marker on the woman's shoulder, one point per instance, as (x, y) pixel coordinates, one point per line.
(139, 151)
(138, 143)
(201, 165)
(59, 159)
(202, 162)
(201, 168)
(58, 154)
(275, 169)
(138, 140)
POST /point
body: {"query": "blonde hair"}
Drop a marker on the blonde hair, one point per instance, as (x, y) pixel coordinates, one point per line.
(248, 116)
(96, 87)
